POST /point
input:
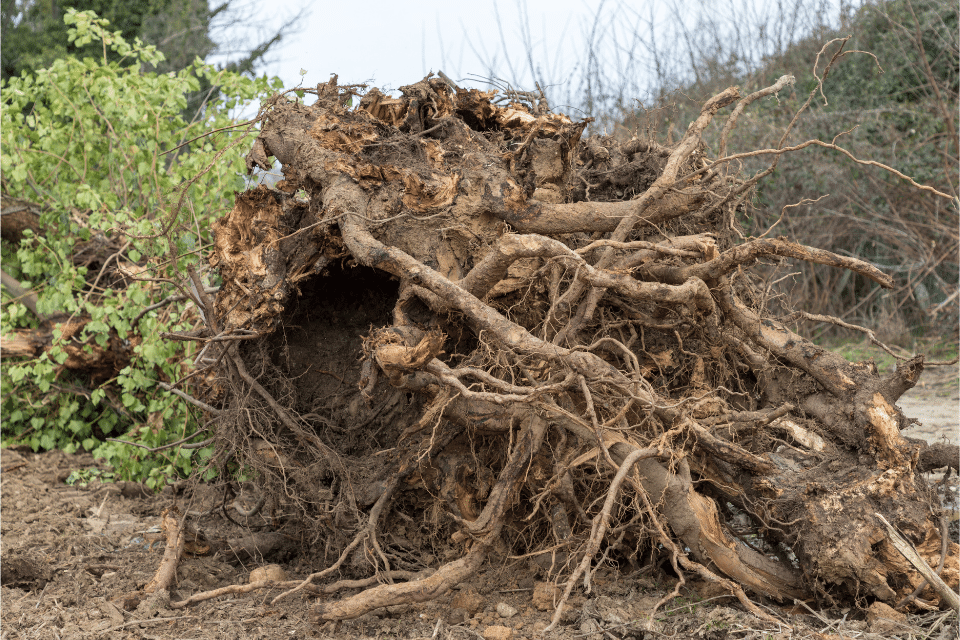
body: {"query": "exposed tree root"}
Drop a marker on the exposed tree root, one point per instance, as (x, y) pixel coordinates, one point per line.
(599, 528)
(445, 578)
(167, 571)
(165, 576)
(447, 338)
(233, 589)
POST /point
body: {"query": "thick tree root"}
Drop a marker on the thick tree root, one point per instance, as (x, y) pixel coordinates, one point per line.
(166, 573)
(430, 588)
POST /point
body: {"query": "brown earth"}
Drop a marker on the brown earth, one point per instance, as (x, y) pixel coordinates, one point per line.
(935, 404)
(71, 553)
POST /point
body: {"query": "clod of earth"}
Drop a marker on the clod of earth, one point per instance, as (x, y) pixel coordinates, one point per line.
(469, 331)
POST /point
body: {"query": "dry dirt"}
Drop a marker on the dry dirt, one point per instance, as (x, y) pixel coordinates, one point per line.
(935, 403)
(70, 554)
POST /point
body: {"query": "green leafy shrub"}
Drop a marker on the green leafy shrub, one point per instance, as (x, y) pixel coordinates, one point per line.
(97, 143)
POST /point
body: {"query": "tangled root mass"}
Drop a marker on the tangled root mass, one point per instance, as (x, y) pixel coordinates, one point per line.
(469, 329)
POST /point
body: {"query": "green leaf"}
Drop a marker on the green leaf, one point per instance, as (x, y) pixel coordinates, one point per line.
(47, 441)
(84, 134)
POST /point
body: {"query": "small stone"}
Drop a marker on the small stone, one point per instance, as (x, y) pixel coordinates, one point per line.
(468, 600)
(590, 629)
(268, 572)
(505, 611)
(613, 617)
(456, 616)
(496, 632)
(544, 594)
(397, 610)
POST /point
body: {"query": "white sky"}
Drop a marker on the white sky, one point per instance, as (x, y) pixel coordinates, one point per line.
(394, 43)
(638, 46)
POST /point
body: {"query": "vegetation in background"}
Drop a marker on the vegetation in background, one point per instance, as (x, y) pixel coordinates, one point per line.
(95, 141)
(34, 33)
(897, 108)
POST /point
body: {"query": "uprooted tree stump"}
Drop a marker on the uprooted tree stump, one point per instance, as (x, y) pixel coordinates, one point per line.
(464, 322)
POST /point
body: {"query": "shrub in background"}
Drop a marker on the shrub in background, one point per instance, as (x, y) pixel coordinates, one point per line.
(897, 107)
(646, 71)
(96, 142)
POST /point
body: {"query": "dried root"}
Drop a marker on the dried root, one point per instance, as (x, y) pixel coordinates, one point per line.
(457, 341)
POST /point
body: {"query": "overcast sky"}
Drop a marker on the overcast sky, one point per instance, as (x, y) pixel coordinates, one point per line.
(639, 46)
(391, 43)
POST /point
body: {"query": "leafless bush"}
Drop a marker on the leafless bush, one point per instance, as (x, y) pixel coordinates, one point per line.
(645, 75)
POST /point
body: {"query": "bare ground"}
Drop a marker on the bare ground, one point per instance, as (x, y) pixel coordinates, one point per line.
(70, 554)
(935, 403)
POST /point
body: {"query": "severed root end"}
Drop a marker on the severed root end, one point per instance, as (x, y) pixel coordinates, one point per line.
(386, 595)
(167, 571)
